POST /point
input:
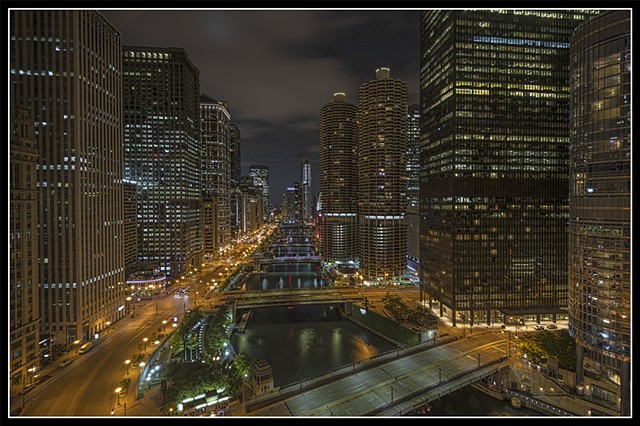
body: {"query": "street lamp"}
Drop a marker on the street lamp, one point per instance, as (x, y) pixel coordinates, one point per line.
(75, 342)
(118, 389)
(164, 325)
(127, 362)
(145, 340)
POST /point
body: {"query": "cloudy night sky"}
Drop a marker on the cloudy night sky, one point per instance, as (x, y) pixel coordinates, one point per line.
(276, 69)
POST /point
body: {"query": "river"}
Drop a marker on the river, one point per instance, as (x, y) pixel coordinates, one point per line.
(305, 341)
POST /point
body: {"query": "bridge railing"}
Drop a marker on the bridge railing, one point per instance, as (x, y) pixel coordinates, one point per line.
(456, 381)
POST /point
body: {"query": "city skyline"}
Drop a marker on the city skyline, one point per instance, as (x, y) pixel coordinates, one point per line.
(141, 198)
(276, 69)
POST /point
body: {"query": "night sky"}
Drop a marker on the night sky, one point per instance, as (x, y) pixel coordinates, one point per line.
(276, 69)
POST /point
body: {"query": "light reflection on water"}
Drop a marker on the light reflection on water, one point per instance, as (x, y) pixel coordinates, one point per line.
(305, 341)
(302, 275)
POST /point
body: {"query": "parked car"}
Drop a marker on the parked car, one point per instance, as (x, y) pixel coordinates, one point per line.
(27, 388)
(552, 326)
(41, 378)
(538, 327)
(66, 362)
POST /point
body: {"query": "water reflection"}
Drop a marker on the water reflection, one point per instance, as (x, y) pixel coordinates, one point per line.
(299, 275)
(308, 338)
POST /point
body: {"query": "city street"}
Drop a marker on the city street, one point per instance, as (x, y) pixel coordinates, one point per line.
(87, 386)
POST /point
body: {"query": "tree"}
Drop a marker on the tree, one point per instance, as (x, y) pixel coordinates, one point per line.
(243, 366)
(545, 344)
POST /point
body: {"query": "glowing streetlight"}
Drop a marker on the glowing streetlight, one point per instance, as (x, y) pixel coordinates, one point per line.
(127, 362)
(164, 325)
(117, 391)
(75, 342)
(145, 340)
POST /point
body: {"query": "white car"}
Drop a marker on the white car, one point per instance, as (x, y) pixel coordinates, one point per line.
(538, 327)
(27, 388)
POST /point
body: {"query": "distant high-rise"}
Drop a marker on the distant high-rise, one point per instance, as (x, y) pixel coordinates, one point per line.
(250, 206)
(494, 86)
(292, 204)
(130, 225)
(24, 309)
(412, 218)
(162, 153)
(600, 202)
(339, 180)
(66, 68)
(260, 176)
(307, 193)
(209, 215)
(236, 155)
(216, 171)
(382, 185)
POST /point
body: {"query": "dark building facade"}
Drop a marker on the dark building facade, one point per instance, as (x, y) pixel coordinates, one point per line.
(130, 226)
(236, 153)
(494, 89)
(66, 68)
(162, 154)
(307, 203)
(382, 186)
(339, 180)
(24, 309)
(260, 174)
(600, 202)
(412, 218)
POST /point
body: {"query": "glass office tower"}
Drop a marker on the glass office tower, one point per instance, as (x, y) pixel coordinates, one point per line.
(600, 202)
(494, 162)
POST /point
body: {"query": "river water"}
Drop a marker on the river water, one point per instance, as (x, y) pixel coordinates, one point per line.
(305, 340)
(298, 275)
(471, 402)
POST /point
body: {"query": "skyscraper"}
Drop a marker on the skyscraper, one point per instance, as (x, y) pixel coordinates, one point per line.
(162, 153)
(260, 174)
(412, 218)
(339, 180)
(307, 193)
(66, 68)
(600, 202)
(251, 216)
(382, 158)
(130, 225)
(494, 178)
(24, 309)
(216, 170)
(236, 154)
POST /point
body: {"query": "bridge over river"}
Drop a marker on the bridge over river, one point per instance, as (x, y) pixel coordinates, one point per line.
(392, 385)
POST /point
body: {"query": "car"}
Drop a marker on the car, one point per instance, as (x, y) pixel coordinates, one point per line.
(41, 378)
(66, 362)
(27, 388)
(552, 326)
(538, 327)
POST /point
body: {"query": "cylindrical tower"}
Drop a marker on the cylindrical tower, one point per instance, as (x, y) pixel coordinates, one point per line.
(599, 200)
(382, 128)
(339, 180)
